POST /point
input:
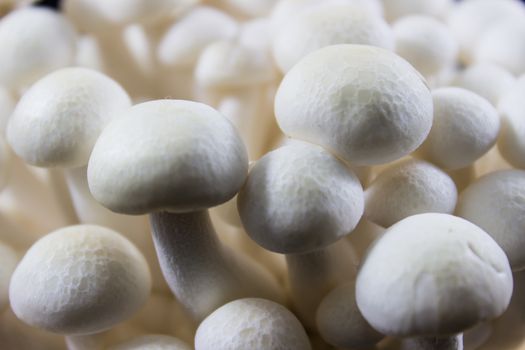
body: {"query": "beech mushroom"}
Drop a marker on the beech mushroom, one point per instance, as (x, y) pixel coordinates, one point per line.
(175, 159)
(369, 107)
(84, 280)
(152, 342)
(298, 200)
(465, 127)
(8, 261)
(431, 276)
(34, 41)
(255, 324)
(496, 203)
(408, 188)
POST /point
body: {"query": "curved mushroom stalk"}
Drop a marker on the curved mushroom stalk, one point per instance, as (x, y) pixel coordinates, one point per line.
(200, 271)
(312, 275)
(454, 342)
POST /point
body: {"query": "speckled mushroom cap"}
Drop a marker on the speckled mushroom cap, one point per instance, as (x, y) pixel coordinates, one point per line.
(408, 188)
(465, 127)
(58, 120)
(152, 342)
(79, 280)
(365, 104)
(255, 324)
(8, 261)
(496, 203)
(170, 155)
(329, 24)
(299, 198)
(433, 274)
(511, 107)
(34, 41)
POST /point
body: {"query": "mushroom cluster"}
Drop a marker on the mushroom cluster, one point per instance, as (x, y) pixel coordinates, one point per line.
(262, 174)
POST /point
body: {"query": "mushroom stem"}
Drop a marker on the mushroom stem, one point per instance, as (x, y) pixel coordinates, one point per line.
(454, 342)
(85, 342)
(201, 272)
(312, 275)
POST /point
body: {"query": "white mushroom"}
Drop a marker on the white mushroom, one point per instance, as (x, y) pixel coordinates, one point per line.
(84, 279)
(426, 43)
(175, 159)
(512, 111)
(152, 342)
(34, 41)
(8, 261)
(465, 127)
(254, 324)
(341, 323)
(365, 104)
(408, 188)
(496, 203)
(328, 24)
(431, 276)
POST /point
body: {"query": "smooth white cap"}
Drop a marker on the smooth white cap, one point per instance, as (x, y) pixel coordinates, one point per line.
(182, 44)
(329, 24)
(8, 261)
(35, 41)
(79, 280)
(170, 155)
(255, 324)
(299, 198)
(426, 43)
(465, 127)
(58, 120)
(365, 104)
(496, 203)
(340, 322)
(488, 80)
(152, 342)
(408, 188)
(511, 107)
(433, 274)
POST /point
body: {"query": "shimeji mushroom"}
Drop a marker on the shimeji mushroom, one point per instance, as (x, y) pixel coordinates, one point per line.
(152, 342)
(465, 127)
(512, 110)
(431, 276)
(426, 43)
(34, 41)
(8, 261)
(329, 24)
(408, 188)
(341, 323)
(254, 324)
(175, 159)
(496, 203)
(365, 104)
(298, 200)
(84, 280)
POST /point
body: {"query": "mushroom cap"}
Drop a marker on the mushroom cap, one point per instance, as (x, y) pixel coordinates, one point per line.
(329, 24)
(408, 188)
(511, 107)
(35, 41)
(58, 120)
(395, 9)
(365, 104)
(340, 322)
(433, 274)
(170, 155)
(496, 203)
(488, 80)
(8, 261)
(84, 279)
(152, 342)
(184, 41)
(255, 324)
(425, 42)
(299, 198)
(504, 44)
(465, 127)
